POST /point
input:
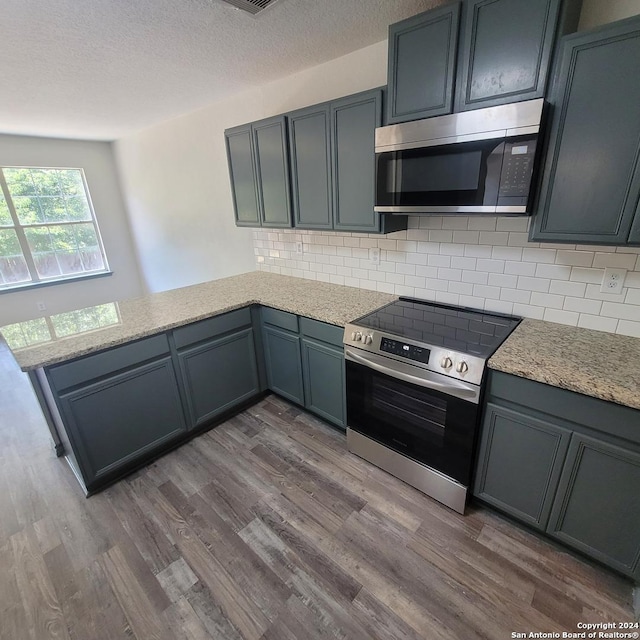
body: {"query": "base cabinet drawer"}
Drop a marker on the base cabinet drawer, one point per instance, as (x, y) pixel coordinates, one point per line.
(519, 464)
(597, 508)
(324, 383)
(121, 419)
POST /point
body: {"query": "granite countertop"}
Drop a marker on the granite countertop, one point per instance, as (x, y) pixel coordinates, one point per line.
(594, 363)
(158, 312)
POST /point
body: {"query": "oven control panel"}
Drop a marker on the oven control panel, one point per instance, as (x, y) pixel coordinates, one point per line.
(410, 351)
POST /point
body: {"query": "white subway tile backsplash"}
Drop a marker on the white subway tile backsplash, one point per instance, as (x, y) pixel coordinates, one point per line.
(553, 271)
(502, 280)
(494, 238)
(482, 262)
(491, 266)
(546, 256)
(583, 305)
(629, 328)
(547, 300)
(619, 260)
(575, 258)
(533, 284)
(563, 317)
(598, 323)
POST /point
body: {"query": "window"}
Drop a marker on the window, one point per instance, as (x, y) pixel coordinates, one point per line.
(48, 230)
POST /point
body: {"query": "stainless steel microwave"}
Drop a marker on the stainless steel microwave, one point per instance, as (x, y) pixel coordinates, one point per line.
(480, 161)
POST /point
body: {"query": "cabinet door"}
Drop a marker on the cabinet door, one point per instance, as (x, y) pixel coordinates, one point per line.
(353, 124)
(309, 136)
(283, 363)
(324, 382)
(219, 375)
(422, 59)
(519, 464)
(634, 236)
(591, 179)
(272, 171)
(505, 51)
(123, 418)
(597, 508)
(242, 175)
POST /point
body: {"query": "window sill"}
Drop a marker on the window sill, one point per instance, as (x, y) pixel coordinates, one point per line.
(49, 283)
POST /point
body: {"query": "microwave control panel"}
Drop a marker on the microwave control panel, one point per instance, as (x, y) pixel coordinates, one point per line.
(517, 170)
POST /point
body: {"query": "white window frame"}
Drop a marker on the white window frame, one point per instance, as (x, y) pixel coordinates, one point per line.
(36, 279)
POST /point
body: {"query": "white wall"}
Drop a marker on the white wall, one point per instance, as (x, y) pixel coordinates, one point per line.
(597, 12)
(96, 158)
(176, 182)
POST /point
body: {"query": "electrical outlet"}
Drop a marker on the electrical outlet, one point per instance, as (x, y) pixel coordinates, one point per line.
(299, 248)
(374, 255)
(41, 306)
(613, 280)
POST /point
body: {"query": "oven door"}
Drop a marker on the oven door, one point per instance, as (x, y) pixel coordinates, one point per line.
(431, 419)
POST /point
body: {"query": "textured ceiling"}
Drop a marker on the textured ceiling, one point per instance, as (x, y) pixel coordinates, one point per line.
(101, 69)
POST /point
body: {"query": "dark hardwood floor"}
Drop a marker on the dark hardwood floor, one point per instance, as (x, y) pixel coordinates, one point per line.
(265, 527)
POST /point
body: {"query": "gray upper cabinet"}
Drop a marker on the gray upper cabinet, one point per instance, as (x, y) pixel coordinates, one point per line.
(309, 140)
(591, 179)
(422, 63)
(505, 50)
(259, 172)
(272, 171)
(598, 505)
(242, 174)
(353, 122)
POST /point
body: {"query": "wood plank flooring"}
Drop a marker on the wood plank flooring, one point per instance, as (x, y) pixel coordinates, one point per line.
(265, 528)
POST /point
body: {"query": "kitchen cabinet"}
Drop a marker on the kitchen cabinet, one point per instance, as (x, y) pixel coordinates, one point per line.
(282, 354)
(519, 463)
(258, 159)
(309, 139)
(422, 59)
(553, 458)
(332, 150)
(218, 367)
(118, 407)
(324, 370)
(242, 173)
(603, 479)
(474, 54)
(305, 363)
(505, 51)
(591, 179)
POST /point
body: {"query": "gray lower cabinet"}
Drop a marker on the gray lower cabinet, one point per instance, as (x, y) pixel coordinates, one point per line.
(566, 464)
(304, 360)
(597, 508)
(282, 361)
(591, 178)
(118, 407)
(519, 463)
(219, 375)
(324, 370)
(422, 64)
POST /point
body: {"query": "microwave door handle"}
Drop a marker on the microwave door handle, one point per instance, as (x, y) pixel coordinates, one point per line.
(454, 390)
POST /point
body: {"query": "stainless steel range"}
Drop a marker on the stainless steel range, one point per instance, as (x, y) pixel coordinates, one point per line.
(415, 373)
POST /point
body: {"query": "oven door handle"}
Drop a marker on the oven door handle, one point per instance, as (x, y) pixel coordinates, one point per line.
(460, 390)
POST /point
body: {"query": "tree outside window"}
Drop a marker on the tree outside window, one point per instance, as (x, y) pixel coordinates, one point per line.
(48, 229)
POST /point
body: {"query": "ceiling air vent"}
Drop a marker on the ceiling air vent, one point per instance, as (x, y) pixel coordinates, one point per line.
(251, 6)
